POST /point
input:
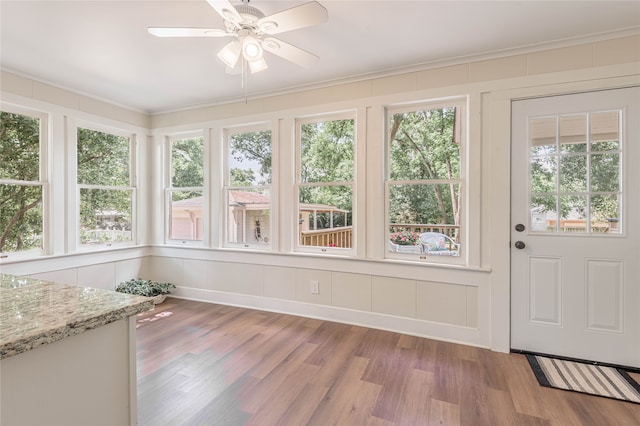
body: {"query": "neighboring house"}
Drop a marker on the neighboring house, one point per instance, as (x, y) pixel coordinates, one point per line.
(186, 219)
(249, 221)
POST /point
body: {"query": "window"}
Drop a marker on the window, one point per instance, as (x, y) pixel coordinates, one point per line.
(105, 190)
(185, 192)
(575, 173)
(325, 187)
(424, 186)
(21, 184)
(247, 188)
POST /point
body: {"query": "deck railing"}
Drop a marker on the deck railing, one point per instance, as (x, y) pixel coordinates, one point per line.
(342, 237)
(330, 237)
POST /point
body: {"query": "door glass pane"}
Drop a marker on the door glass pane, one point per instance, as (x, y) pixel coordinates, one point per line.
(605, 172)
(573, 216)
(573, 133)
(542, 133)
(543, 174)
(605, 214)
(573, 173)
(544, 216)
(605, 131)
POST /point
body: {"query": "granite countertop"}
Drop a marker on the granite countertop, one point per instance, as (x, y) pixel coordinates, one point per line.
(36, 312)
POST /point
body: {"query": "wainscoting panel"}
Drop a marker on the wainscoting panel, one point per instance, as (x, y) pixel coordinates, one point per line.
(101, 275)
(351, 291)
(235, 278)
(195, 273)
(279, 282)
(445, 303)
(393, 296)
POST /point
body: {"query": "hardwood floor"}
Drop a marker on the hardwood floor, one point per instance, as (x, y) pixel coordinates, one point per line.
(207, 364)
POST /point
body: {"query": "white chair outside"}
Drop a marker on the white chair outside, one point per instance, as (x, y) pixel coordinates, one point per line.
(435, 243)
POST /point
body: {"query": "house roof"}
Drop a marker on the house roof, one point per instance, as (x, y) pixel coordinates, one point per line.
(246, 197)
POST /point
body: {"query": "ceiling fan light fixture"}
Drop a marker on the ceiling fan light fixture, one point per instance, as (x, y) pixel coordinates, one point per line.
(230, 53)
(258, 65)
(251, 49)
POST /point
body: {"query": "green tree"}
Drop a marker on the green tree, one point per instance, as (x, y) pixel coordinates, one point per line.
(187, 167)
(423, 148)
(242, 177)
(253, 147)
(20, 204)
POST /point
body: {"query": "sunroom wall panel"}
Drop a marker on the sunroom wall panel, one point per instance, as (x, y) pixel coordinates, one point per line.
(351, 291)
(102, 275)
(617, 51)
(279, 282)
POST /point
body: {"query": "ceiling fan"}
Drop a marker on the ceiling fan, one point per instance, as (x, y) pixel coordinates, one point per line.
(251, 31)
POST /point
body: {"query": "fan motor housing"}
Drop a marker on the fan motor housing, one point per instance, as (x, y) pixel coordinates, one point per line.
(249, 13)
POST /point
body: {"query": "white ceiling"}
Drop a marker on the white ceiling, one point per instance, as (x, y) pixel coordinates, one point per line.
(102, 48)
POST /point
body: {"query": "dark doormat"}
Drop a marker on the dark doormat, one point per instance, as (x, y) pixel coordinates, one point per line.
(592, 379)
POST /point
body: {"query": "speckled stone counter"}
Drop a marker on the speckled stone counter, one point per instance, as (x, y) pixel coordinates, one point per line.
(35, 312)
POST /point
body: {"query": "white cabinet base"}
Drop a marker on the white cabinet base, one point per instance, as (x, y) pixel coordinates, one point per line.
(87, 379)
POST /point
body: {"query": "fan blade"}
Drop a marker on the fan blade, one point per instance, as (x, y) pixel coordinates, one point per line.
(188, 32)
(306, 15)
(289, 52)
(226, 10)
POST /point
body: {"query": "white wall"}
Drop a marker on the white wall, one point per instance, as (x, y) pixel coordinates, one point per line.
(468, 304)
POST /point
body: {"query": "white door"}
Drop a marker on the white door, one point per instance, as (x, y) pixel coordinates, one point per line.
(575, 226)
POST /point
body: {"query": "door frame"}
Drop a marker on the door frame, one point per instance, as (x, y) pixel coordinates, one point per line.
(496, 137)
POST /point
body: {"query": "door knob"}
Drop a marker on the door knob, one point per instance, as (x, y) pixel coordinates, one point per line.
(520, 245)
(519, 227)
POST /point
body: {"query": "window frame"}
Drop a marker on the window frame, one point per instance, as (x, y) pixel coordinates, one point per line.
(227, 133)
(43, 181)
(351, 114)
(462, 124)
(133, 178)
(169, 188)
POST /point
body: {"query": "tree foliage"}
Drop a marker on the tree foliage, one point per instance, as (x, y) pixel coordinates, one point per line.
(424, 161)
(327, 151)
(20, 204)
(187, 167)
(252, 154)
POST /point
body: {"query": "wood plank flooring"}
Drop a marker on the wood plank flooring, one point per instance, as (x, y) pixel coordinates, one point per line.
(208, 364)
